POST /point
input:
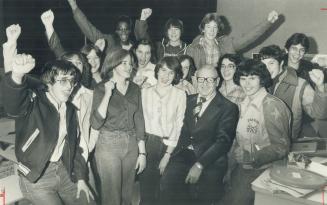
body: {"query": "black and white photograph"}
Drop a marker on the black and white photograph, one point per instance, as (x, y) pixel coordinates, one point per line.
(163, 102)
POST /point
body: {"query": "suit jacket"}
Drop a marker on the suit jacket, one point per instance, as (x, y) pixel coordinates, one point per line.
(214, 132)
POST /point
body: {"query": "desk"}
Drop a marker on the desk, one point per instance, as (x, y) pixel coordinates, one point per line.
(264, 197)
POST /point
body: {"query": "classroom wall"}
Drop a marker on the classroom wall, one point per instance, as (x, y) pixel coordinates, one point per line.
(305, 16)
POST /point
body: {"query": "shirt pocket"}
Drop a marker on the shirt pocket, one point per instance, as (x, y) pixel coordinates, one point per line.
(30, 140)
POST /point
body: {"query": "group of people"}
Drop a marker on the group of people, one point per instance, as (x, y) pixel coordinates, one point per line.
(193, 124)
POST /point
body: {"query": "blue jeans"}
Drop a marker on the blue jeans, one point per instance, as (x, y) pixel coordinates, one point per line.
(116, 154)
(53, 188)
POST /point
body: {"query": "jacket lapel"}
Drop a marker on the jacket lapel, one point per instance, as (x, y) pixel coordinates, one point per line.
(210, 111)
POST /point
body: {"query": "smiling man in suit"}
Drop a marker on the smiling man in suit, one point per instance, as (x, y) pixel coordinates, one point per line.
(197, 167)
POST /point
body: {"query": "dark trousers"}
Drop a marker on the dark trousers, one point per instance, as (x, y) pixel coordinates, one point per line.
(150, 177)
(208, 190)
(240, 191)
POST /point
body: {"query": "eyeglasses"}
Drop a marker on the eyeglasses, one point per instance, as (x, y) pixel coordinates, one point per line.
(229, 66)
(65, 81)
(209, 79)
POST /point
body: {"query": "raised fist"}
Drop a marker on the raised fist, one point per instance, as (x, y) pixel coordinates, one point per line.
(47, 18)
(145, 14)
(317, 76)
(100, 43)
(109, 86)
(273, 16)
(22, 64)
(13, 32)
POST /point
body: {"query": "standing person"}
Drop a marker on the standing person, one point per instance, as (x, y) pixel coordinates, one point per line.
(89, 73)
(118, 115)
(121, 37)
(195, 172)
(163, 108)
(144, 76)
(296, 46)
(296, 92)
(262, 135)
(47, 144)
(171, 44)
(213, 42)
(188, 69)
(227, 66)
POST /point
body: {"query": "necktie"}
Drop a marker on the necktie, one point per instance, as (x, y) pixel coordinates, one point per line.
(198, 107)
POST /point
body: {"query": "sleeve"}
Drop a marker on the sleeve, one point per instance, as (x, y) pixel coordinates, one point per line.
(277, 120)
(141, 30)
(96, 119)
(224, 136)
(80, 165)
(9, 51)
(180, 113)
(17, 100)
(244, 40)
(195, 53)
(314, 102)
(88, 29)
(55, 45)
(139, 119)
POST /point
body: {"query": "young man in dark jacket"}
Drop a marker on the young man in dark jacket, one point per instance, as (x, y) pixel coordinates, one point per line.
(51, 167)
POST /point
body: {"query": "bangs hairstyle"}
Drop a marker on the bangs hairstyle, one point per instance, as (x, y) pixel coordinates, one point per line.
(298, 38)
(253, 67)
(146, 42)
(272, 51)
(192, 69)
(220, 21)
(89, 47)
(54, 68)
(173, 64)
(174, 22)
(112, 60)
(86, 75)
(236, 59)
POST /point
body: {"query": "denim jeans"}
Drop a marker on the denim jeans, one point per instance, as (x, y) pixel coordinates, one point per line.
(116, 154)
(240, 191)
(150, 177)
(53, 188)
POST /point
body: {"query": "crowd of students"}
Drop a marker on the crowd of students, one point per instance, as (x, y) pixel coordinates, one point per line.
(194, 124)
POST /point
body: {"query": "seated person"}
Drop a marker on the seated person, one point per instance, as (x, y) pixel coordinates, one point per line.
(262, 134)
(198, 164)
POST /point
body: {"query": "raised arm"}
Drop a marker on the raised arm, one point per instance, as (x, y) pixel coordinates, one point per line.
(314, 101)
(53, 39)
(10, 47)
(141, 26)
(16, 97)
(88, 29)
(244, 40)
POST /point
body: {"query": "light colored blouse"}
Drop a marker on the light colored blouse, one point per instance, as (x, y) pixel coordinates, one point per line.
(164, 115)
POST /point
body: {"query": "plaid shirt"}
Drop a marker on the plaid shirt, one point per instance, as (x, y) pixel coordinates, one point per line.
(211, 51)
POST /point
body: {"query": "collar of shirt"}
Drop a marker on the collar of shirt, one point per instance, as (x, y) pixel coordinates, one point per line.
(257, 99)
(54, 102)
(127, 47)
(166, 94)
(203, 42)
(206, 103)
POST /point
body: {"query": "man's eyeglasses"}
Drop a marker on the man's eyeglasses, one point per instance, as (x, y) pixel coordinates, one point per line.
(65, 81)
(208, 79)
(229, 66)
